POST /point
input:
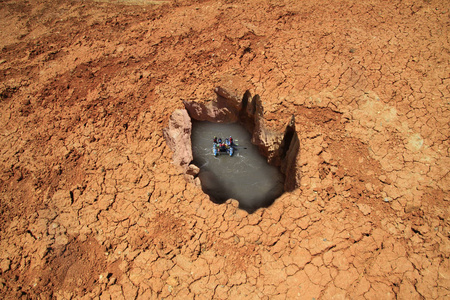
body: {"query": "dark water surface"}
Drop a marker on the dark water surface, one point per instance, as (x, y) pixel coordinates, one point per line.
(246, 176)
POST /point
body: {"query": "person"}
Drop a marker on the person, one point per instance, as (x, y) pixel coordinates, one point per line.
(231, 140)
(215, 140)
(220, 140)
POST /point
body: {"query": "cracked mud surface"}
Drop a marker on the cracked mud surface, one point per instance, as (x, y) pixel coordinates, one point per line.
(93, 207)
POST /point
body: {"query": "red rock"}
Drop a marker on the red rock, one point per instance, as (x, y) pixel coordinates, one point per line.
(178, 137)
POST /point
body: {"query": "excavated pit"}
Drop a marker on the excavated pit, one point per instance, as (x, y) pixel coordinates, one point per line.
(264, 164)
(245, 176)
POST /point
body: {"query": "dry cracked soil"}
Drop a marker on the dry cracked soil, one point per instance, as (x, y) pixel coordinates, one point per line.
(93, 207)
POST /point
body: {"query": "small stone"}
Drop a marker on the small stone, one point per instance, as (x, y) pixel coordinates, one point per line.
(61, 239)
(193, 170)
(112, 281)
(103, 278)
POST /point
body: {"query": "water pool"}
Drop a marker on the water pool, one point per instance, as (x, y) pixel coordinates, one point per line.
(246, 176)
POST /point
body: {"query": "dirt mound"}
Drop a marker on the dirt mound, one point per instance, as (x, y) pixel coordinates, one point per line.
(92, 204)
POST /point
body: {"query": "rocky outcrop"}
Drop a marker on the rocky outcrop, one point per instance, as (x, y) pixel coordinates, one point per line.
(224, 109)
(288, 151)
(178, 137)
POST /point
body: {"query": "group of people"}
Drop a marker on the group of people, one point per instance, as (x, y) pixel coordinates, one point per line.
(223, 146)
(228, 141)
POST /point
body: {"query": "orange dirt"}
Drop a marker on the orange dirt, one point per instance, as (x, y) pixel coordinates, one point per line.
(92, 205)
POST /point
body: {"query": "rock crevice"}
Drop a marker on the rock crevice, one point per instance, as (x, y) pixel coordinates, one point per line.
(280, 148)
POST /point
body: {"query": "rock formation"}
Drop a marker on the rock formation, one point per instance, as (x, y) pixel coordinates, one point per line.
(178, 137)
(280, 148)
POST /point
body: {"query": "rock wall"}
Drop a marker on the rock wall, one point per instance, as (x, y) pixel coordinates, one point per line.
(224, 109)
(178, 137)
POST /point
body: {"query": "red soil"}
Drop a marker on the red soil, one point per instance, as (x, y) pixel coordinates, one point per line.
(92, 205)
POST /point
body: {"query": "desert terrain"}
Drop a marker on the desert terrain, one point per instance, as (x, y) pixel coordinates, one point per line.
(94, 207)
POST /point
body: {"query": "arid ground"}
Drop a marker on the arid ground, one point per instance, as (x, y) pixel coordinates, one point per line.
(92, 205)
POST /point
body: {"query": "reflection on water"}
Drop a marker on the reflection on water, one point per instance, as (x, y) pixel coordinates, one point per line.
(246, 176)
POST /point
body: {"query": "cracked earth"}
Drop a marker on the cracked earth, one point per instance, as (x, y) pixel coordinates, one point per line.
(92, 205)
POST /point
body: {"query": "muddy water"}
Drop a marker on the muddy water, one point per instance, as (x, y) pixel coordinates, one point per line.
(246, 176)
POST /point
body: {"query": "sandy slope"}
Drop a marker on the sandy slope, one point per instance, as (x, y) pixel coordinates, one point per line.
(91, 204)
